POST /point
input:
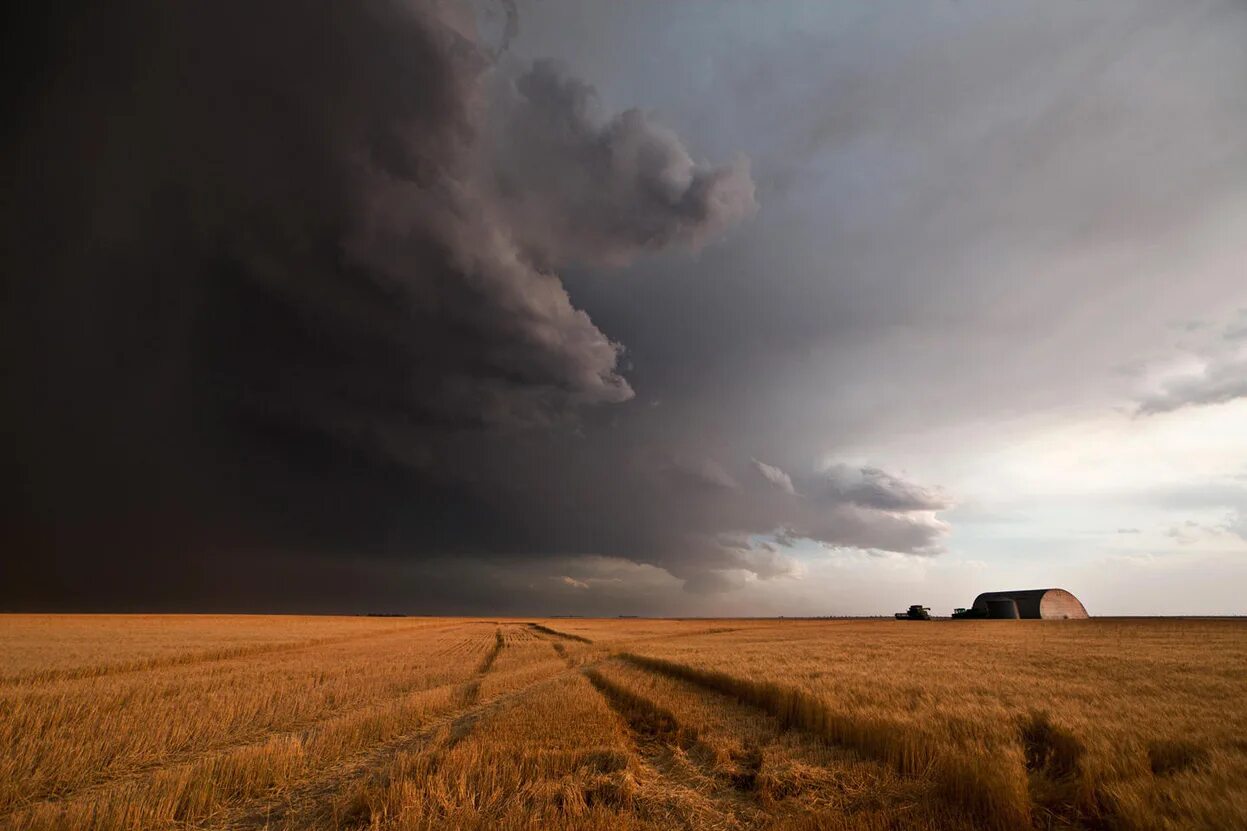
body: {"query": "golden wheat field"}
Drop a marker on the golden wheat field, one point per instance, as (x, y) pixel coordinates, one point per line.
(156, 722)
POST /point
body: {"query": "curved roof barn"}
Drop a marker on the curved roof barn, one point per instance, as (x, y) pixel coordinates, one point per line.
(1033, 604)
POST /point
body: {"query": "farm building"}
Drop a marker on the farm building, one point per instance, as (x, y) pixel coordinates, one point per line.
(1046, 604)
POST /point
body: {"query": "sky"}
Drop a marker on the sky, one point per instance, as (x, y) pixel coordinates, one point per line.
(584, 307)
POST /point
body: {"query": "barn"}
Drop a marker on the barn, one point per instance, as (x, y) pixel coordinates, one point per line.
(1031, 604)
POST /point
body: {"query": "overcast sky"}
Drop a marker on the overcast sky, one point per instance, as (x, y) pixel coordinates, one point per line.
(627, 308)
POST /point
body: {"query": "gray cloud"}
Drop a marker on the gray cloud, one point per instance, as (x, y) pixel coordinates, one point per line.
(1220, 376)
(315, 314)
(1237, 328)
(714, 582)
(704, 472)
(946, 209)
(1237, 523)
(1190, 531)
(775, 476)
(903, 533)
(1219, 382)
(280, 258)
(601, 190)
(870, 487)
(284, 317)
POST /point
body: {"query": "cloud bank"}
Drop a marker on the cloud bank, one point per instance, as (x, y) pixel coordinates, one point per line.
(286, 315)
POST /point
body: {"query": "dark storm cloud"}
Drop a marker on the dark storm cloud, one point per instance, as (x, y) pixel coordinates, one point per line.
(703, 521)
(283, 325)
(319, 214)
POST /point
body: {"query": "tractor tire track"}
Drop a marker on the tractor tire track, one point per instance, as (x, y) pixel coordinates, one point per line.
(567, 636)
(307, 805)
(472, 689)
(675, 755)
(986, 794)
(133, 774)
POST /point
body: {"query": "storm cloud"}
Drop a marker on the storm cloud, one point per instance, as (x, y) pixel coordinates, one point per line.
(285, 279)
(601, 191)
(619, 308)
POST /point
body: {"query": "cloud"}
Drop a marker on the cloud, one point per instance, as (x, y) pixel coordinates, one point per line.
(919, 533)
(1220, 381)
(870, 487)
(775, 476)
(1191, 531)
(1187, 532)
(1237, 523)
(766, 563)
(865, 508)
(714, 582)
(305, 305)
(599, 190)
(704, 472)
(1218, 376)
(1236, 330)
(333, 311)
(305, 295)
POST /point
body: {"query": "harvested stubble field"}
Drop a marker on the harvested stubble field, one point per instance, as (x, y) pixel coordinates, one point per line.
(418, 723)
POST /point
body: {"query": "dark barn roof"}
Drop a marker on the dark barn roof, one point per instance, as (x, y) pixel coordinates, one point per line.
(1046, 604)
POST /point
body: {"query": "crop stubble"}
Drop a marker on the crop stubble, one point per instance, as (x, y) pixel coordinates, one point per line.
(418, 723)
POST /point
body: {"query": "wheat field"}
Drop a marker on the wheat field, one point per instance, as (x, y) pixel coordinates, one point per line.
(203, 722)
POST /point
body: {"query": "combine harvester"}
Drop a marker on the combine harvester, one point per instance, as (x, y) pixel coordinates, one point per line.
(915, 612)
